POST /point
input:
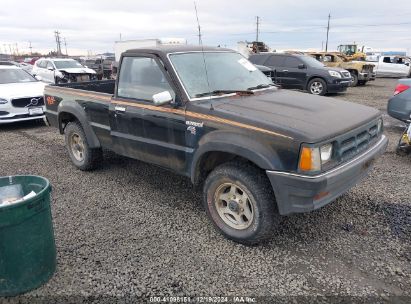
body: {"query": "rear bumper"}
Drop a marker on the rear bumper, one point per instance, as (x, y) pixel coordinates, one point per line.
(297, 193)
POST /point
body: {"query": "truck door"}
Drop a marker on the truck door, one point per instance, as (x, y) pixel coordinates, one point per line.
(140, 129)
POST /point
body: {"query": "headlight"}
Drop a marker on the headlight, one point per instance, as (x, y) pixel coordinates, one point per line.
(311, 159)
(335, 74)
(3, 101)
(326, 152)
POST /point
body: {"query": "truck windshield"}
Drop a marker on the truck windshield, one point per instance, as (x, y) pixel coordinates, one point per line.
(15, 76)
(226, 71)
(67, 64)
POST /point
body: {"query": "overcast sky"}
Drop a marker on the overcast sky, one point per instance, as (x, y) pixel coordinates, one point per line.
(94, 25)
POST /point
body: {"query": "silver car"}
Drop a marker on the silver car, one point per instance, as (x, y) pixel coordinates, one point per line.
(21, 95)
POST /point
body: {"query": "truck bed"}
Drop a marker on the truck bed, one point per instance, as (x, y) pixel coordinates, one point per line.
(102, 86)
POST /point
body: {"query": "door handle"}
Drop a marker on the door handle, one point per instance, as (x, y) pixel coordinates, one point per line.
(120, 109)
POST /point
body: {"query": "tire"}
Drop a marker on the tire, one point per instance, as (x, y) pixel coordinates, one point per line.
(362, 82)
(252, 191)
(82, 156)
(317, 86)
(354, 79)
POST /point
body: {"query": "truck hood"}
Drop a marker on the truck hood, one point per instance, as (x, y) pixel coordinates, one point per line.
(78, 71)
(302, 116)
(17, 90)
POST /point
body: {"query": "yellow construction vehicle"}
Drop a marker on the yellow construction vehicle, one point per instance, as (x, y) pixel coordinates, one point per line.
(352, 51)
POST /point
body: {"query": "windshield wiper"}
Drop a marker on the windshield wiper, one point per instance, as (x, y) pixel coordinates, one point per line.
(261, 86)
(218, 92)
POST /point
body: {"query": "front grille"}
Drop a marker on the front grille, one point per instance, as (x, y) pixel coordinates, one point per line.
(357, 141)
(2, 113)
(27, 102)
(367, 69)
(346, 74)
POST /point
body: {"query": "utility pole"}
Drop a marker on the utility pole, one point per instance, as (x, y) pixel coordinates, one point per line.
(17, 49)
(5, 48)
(120, 36)
(65, 45)
(258, 29)
(328, 30)
(11, 52)
(31, 48)
(58, 42)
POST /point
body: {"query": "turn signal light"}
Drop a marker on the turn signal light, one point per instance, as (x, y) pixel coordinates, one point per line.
(310, 159)
(400, 88)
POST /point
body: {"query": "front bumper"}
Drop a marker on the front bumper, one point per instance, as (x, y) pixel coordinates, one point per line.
(338, 86)
(366, 76)
(10, 114)
(20, 118)
(297, 193)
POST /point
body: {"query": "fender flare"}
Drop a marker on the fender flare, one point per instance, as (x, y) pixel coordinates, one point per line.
(241, 145)
(77, 111)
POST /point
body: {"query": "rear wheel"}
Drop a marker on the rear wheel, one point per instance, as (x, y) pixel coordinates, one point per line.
(82, 156)
(240, 202)
(317, 86)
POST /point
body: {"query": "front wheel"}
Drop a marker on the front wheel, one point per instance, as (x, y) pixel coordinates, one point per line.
(240, 202)
(354, 77)
(82, 156)
(317, 86)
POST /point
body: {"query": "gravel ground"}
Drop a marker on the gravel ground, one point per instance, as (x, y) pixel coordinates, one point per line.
(131, 230)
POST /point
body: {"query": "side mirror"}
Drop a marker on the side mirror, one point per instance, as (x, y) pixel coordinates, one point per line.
(301, 66)
(39, 78)
(407, 64)
(162, 98)
(50, 68)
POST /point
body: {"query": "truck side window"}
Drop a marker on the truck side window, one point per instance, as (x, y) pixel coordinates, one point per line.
(141, 78)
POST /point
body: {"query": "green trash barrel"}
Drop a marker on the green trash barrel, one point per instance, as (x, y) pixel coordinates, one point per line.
(27, 246)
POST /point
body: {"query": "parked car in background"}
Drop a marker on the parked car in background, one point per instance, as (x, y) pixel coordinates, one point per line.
(21, 95)
(102, 66)
(399, 105)
(393, 66)
(296, 71)
(24, 66)
(361, 72)
(62, 70)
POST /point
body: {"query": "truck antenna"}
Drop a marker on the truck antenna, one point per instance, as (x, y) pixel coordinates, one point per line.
(200, 42)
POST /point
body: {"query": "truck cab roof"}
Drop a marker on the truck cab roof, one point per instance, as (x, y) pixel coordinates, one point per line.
(163, 50)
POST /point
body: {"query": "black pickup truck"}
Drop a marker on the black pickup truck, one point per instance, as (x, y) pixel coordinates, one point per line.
(258, 151)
